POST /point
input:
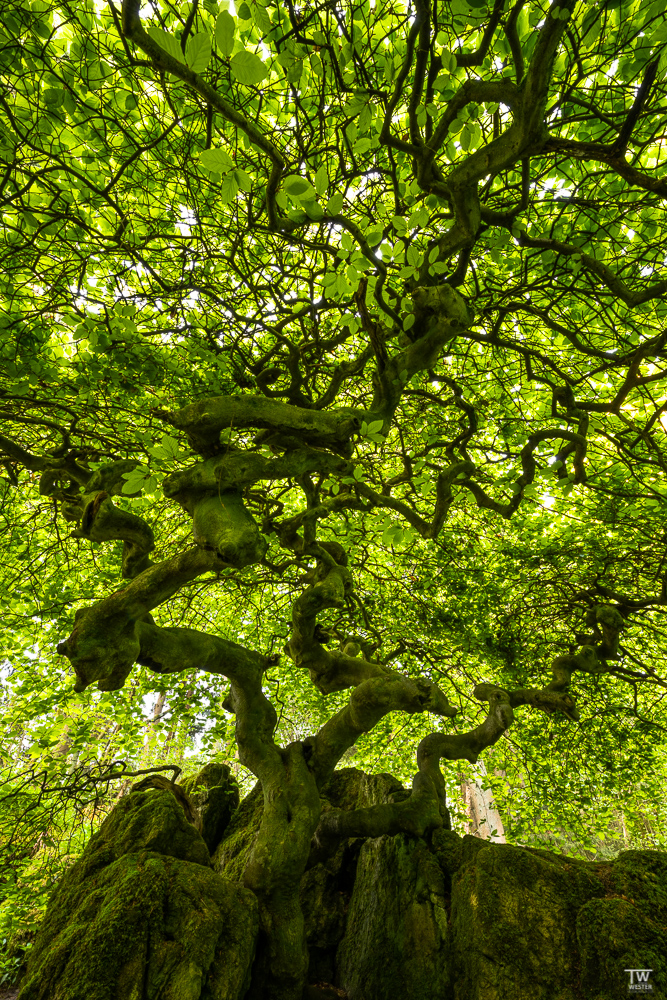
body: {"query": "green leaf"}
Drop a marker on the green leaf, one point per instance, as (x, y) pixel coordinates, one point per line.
(229, 188)
(133, 485)
(659, 35)
(216, 160)
(298, 187)
(261, 18)
(248, 68)
(335, 204)
(365, 118)
(243, 180)
(321, 180)
(375, 426)
(198, 51)
(168, 42)
(244, 13)
(53, 96)
(225, 26)
(361, 146)
(313, 210)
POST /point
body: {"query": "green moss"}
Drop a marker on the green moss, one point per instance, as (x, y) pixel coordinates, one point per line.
(151, 820)
(343, 788)
(396, 942)
(532, 925)
(628, 928)
(210, 776)
(342, 791)
(614, 935)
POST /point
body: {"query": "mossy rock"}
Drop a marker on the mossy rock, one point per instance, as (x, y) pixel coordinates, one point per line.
(215, 793)
(142, 916)
(628, 928)
(531, 925)
(231, 855)
(150, 820)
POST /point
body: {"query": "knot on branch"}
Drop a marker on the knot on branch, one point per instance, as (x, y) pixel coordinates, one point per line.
(415, 812)
(221, 523)
(102, 648)
(607, 624)
(499, 703)
(441, 308)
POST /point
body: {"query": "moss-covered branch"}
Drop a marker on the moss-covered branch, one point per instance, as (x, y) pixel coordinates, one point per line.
(424, 808)
(204, 421)
(104, 644)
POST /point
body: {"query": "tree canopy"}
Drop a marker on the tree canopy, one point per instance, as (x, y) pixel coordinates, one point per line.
(338, 331)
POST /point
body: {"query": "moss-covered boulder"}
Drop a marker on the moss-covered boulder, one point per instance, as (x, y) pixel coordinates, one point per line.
(514, 922)
(532, 925)
(143, 916)
(459, 918)
(146, 915)
(215, 794)
(627, 928)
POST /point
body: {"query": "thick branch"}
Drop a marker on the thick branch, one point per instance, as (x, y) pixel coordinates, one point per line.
(329, 671)
(204, 421)
(52, 468)
(526, 134)
(104, 644)
(424, 809)
(596, 151)
(441, 314)
(370, 702)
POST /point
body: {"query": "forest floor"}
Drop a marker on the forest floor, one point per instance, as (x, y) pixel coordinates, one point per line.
(9, 993)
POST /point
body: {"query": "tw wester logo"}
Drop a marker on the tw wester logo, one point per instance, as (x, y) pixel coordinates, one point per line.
(639, 981)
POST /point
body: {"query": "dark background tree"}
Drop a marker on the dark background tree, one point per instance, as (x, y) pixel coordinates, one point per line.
(302, 306)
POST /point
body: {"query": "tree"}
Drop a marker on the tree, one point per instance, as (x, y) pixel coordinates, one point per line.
(348, 274)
